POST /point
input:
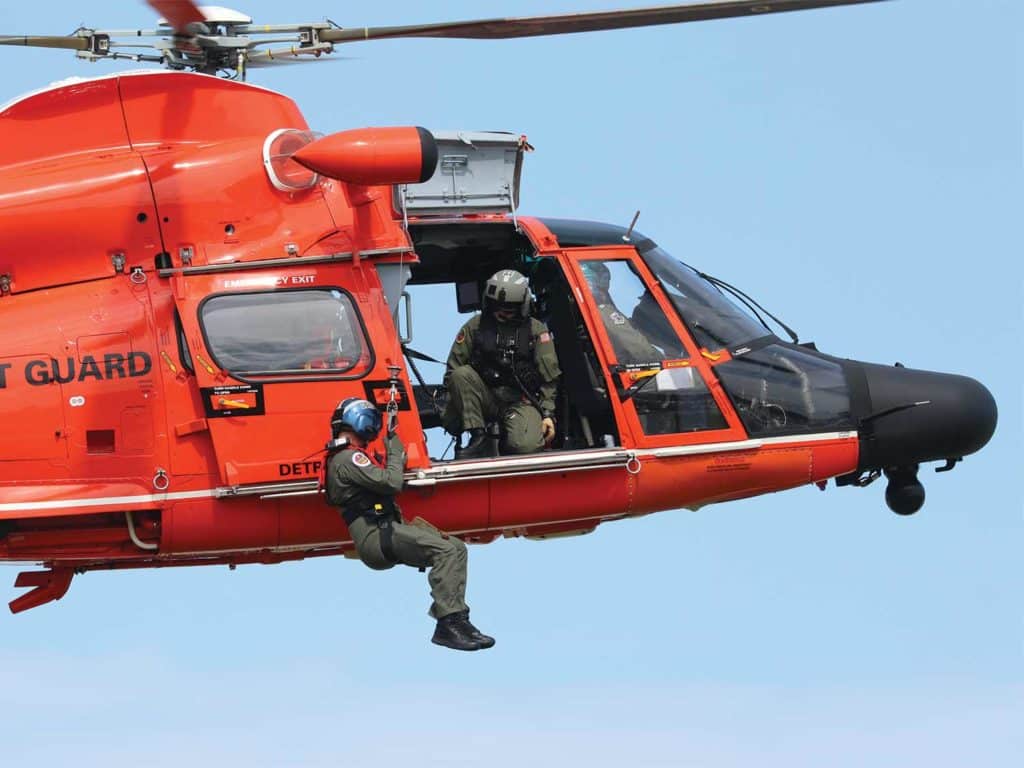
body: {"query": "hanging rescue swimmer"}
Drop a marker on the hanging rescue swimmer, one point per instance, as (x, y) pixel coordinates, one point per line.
(364, 491)
(502, 369)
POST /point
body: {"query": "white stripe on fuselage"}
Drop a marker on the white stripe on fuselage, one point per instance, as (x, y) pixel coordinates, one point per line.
(669, 452)
(152, 498)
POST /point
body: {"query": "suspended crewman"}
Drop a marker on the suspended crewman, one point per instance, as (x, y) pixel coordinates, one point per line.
(364, 489)
(502, 369)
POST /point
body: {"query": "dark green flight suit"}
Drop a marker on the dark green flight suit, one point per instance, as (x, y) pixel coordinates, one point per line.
(356, 484)
(630, 345)
(471, 403)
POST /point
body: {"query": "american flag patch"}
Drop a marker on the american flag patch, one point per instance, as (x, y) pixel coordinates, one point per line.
(544, 337)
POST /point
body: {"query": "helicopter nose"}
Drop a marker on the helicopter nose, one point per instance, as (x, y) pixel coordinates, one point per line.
(918, 416)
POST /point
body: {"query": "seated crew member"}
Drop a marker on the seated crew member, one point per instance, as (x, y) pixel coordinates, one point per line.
(502, 367)
(365, 493)
(631, 346)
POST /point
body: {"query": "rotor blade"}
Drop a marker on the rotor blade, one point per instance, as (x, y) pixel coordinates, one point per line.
(531, 26)
(47, 41)
(179, 13)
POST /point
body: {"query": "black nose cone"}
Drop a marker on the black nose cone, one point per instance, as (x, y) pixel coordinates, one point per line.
(916, 416)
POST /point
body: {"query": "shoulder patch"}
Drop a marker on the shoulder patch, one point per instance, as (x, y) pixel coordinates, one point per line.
(461, 337)
(361, 459)
(544, 338)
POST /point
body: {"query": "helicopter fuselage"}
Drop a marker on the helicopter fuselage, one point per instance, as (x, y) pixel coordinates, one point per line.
(179, 326)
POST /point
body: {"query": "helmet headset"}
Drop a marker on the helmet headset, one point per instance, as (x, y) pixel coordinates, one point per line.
(358, 416)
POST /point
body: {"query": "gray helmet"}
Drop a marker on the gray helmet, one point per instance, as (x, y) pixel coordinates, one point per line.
(507, 289)
(597, 273)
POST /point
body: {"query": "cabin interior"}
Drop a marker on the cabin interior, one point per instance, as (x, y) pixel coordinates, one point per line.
(455, 262)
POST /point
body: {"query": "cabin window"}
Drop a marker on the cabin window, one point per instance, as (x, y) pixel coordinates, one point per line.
(286, 333)
(670, 396)
(781, 390)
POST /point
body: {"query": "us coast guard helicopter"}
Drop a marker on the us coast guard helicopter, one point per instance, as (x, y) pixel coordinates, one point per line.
(208, 278)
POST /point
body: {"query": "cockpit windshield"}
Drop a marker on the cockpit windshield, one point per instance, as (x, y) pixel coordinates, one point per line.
(712, 318)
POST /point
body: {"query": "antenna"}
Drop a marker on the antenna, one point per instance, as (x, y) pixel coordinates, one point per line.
(632, 224)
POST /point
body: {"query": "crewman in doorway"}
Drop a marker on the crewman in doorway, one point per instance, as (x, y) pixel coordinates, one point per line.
(502, 368)
(364, 491)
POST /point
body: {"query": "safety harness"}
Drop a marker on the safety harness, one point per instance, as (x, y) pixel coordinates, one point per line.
(377, 509)
(506, 359)
(356, 501)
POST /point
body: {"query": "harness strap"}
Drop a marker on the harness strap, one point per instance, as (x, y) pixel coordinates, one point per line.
(506, 363)
(385, 525)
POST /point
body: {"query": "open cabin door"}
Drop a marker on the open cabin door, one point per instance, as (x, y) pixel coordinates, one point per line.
(665, 391)
(274, 352)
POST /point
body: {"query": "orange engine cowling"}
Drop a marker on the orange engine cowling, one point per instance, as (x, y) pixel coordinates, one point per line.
(373, 156)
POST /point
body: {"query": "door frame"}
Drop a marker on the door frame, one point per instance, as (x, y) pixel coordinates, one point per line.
(625, 411)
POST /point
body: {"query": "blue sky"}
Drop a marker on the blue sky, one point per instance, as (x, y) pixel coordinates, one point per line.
(857, 170)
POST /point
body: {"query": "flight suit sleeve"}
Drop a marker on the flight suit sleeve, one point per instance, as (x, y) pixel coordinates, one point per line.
(462, 348)
(546, 360)
(355, 468)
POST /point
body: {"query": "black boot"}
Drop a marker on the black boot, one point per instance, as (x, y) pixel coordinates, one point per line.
(486, 641)
(452, 632)
(478, 447)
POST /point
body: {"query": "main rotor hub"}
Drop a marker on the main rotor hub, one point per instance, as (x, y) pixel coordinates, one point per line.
(217, 15)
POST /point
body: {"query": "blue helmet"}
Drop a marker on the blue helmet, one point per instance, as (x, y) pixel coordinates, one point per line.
(356, 415)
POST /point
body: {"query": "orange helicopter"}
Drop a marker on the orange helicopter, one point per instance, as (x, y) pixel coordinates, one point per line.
(221, 277)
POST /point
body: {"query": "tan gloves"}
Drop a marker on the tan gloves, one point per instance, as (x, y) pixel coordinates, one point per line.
(548, 430)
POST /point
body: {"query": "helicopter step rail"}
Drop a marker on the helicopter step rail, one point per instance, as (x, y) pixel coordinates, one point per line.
(519, 466)
(447, 472)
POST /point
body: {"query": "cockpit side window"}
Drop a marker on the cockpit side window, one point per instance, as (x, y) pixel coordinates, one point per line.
(636, 325)
(286, 333)
(649, 357)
